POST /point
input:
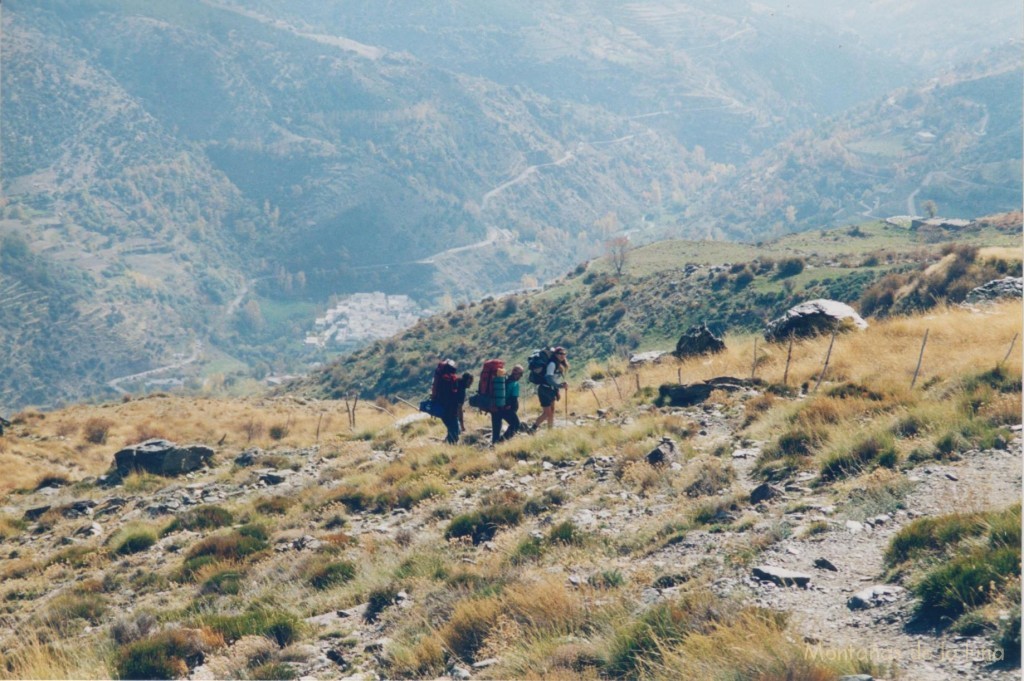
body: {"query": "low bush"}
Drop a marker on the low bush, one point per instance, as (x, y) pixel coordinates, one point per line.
(482, 525)
(166, 655)
(324, 575)
(133, 540)
(282, 627)
(378, 601)
(236, 545)
(641, 644)
(200, 518)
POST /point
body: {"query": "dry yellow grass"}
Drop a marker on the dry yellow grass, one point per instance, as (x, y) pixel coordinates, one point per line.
(57, 442)
(882, 357)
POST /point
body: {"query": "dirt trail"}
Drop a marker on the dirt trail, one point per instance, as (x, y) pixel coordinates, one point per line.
(980, 481)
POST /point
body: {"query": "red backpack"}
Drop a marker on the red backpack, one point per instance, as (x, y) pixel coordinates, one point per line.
(443, 379)
(490, 392)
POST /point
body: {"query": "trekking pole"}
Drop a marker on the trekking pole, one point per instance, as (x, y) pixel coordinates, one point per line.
(567, 403)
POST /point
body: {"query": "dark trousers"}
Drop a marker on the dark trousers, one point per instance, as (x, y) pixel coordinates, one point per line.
(510, 417)
(451, 421)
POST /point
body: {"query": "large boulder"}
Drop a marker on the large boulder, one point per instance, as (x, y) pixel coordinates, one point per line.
(162, 457)
(698, 340)
(814, 318)
(689, 394)
(998, 289)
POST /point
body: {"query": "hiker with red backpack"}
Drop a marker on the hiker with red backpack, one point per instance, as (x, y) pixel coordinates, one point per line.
(445, 393)
(510, 412)
(547, 370)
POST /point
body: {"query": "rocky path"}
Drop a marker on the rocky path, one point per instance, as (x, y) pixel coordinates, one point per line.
(848, 559)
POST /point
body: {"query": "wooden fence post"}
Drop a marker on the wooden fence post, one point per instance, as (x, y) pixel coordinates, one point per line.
(789, 356)
(919, 358)
(1012, 342)
(828, 356)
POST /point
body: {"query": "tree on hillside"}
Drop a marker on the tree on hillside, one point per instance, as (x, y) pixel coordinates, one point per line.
(617, 251)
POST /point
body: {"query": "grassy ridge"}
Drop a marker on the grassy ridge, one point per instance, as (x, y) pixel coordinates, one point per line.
(663, 289)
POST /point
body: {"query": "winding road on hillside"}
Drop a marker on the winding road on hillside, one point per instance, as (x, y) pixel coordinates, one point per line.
(197, 351)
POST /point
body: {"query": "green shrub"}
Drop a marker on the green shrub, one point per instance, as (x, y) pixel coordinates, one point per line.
(966, 582)
(639, 646)
(134, 541)
(789, 267)
(482, 525)
(166, 655)
(235, 545)
(228, 581)
(378, 600)
(877, 448)
(931, 536)
(284, 628)
(278, 505)
(527, 550)
(566, 533)
(331, 574)
(200, 518)
(271, 671)
(607, 579)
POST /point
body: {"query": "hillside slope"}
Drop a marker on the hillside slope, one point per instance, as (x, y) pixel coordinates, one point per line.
(665, 288)
(316, 546)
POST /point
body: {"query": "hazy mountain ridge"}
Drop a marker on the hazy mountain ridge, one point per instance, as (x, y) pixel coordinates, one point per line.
(219, 171)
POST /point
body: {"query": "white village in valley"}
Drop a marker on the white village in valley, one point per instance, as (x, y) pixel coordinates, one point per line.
(363, 317)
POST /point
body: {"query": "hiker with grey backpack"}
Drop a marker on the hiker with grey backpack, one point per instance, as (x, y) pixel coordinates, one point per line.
(547, 372)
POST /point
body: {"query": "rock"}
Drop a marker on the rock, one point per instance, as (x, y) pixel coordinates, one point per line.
(763, 492)
(162, 457)
(687, 395)
(77, 509)
(90, 530)
(854, 527)
(484, 664)
(874, 596)
(35, 513)
(247, 458)
(813, 318)
(337, 656)
(997, 289)
(461, 673)
(856, 677)
(111, 505)
(669, 581)
(825, 564)
(641, 358)
(663, 453)
(698, 340)
(781, 576)
(270, 478)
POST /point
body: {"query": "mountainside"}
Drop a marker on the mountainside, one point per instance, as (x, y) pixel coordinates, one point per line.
(212, 175)
(860, 525)
(668, 287)
(955, 142)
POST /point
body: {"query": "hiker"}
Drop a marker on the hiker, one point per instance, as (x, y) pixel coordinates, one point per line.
(508, 413)
(445, 391)
(3, 422)
(552, 381)
(464, 384)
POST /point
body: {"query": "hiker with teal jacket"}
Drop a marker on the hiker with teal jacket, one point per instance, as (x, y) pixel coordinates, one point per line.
(508, 412)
